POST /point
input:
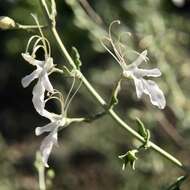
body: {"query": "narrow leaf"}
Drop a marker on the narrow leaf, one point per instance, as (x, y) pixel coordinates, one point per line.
(145, 133)
(76, 57)
(114, 99)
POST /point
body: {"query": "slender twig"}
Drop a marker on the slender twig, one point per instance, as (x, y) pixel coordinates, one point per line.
(101, 101)
(91, 12)
(28, 27)
(41, 173)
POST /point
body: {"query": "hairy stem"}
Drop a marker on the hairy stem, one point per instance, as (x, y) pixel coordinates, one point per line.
(102, 102)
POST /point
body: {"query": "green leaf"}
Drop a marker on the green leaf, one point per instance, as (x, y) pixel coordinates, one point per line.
(145, 133)
(114, 99)
(76, 57)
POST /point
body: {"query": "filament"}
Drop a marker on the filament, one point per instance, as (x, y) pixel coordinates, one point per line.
(40, 39)
(112, 43)
(42, 35)
(30, 40)
(109, 49)
(70, 90)
(66, 109)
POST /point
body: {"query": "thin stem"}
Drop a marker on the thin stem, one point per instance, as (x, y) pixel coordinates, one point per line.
(101, 101)
(41, 173)
(28, 27)
(62, 47)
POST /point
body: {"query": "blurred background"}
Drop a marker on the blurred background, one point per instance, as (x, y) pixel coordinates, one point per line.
(87, 156)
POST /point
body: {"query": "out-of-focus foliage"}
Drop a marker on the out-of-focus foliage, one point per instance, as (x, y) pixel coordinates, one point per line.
(87, 157)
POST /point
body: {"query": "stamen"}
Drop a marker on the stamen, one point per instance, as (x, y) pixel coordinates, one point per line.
(42, 35)
(112, 42)
(120, 45)
(66, 109)
(59, 98)
(112, 54)
(30, 40)
(139, 54)
(39, 40)
(68, 96)
(36, 49)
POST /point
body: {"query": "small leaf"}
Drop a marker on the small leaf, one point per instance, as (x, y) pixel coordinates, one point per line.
(114, 99)
(145, 133)
(129, 157)
(142, 129)
(76, 57)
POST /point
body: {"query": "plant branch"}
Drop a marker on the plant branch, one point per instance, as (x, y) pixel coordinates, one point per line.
(102, 102)
(111, 112)
(28, 27)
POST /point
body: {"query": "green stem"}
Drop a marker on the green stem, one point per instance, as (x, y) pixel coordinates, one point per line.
(28, 27)
(101, 101)
(41, 173)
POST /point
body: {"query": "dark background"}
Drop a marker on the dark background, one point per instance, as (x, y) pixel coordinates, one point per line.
(87, 156)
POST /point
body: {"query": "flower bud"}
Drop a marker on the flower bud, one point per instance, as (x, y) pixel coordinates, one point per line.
(6, 23)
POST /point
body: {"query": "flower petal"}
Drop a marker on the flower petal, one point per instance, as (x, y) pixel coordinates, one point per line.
(29, 78)
(142, 57)
(38, 97)
(47, 145)
(46, 83)
(27, 57)
(155, 93)
(139, 73)
(139, 87)
(47, 128)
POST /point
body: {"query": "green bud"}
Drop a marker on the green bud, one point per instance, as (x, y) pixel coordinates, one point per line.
(6, 23)
(50, 173)
(129, 157)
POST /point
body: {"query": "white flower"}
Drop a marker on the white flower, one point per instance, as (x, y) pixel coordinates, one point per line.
(142, 85)
(51, 139)
(41, 72)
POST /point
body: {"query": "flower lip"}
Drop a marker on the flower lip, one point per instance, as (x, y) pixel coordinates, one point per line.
(27, 57)
(51, 139)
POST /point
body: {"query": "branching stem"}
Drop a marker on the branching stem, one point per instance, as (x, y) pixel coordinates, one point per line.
(102, 102)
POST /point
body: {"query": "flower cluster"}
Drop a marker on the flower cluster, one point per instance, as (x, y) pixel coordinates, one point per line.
(42, 87)
(43, 90)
